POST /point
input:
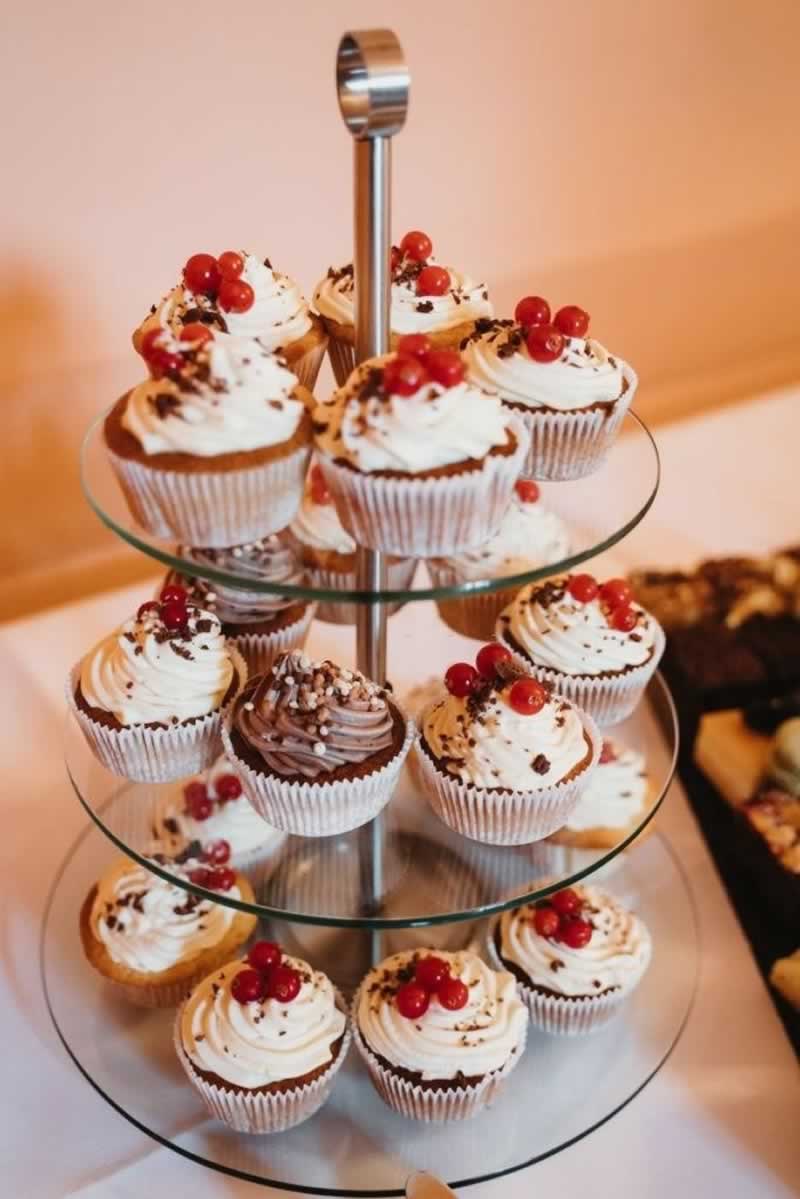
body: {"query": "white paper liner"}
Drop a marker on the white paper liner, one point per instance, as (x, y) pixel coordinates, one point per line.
(260, 1112)
(433, 1107)
(216, 509)
(343, 359)
(470, 615)
(307, 366)
(260, 650)
(158, 755)
(318, 809)
(503, 817)
(422, 518)
(399, 577)
(570, 445)
(609, 700)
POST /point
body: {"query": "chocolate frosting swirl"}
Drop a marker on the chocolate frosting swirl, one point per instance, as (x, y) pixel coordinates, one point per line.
(267, 560)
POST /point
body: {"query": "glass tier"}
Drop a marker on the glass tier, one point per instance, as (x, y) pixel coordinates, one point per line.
(562, 1090)
(425, 875)
(598, 511)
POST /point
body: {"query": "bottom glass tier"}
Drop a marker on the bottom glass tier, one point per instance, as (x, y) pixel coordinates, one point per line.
(562, 1090)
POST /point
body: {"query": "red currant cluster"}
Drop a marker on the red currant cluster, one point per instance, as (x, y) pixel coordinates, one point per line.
(199, 804)
(615, 596)
(417, 363)
(527, 490)
(268, 977)
(418, 247)
(526, 696)
(155, 348)
(213, 877)
(219, 279)
(319, 488)
(171, 608)
(559, 919)
(545, 338)
(607, 753)
(431, 978)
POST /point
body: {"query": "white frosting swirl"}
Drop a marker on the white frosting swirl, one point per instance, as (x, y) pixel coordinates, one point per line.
(476, 1040)
(616, 793)
(318, 526)
(142, 673)
(235, 397)
(616, 957)
(149, 924)
(529, 536)
(464, 301)
(584, 375)
(279, 314)
(498, 747)
(560, 633)
(252, 1045)
(436, 426)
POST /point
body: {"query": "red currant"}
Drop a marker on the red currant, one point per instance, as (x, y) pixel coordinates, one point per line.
(453, 994)
(248, 987)
(265, 956)
(460, 679)
(227, 786)
(235, 295)
(572, 321)
(201, 274)
(566, 902)
(222, 879)
(283, 984)
(200, 876)
(489, 657)
(576, 933)
(412, 1000)
(431, 972)
(532, 310)
(402, 376)
(164, 362)
(151, 340)
(148, 606)
(445, 367)
(527, 696)
(623, 619)
(217, 853)
(616, 592)
(546, 921)
(174, 615)
(414, 345)
(417, 245)
(173, 592)
(433, 281)
(195, 791)
(527, 490)
(197, 334)
(583, 588)
(230, 264)
(319, 488)
(545, 344)
(607, 753)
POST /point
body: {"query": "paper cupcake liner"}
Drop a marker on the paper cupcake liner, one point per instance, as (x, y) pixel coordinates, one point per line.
(262, 1112)
(157, 995)
(470, 615)
(318, 809)
(422, 518)
(307, 366)
(399, 577)
(158, 755)
(216, 509)
(570, 445)
(343, 358)
(260, 650)
(503, 817)
(608, 700)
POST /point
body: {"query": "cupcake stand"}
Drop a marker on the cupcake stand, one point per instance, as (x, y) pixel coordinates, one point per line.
(405, 879)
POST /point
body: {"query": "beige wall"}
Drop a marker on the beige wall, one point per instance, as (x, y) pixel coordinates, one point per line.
(639, 158)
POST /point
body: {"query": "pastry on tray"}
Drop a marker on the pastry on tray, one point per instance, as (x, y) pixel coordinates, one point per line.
(613, 803)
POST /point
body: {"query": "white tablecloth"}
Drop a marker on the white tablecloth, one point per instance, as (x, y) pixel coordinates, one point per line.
(721, 1118)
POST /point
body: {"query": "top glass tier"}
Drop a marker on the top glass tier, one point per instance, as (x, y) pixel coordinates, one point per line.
(597, 512)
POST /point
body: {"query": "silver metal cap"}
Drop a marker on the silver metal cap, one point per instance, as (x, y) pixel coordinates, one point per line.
(372, 82)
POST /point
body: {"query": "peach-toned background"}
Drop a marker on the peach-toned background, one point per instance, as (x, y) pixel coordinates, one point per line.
(639, 158)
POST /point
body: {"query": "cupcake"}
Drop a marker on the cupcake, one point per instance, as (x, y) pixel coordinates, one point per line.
(210, 809)
(237, 295)
(329, 553)
(530, 537)
(424, 298)
(262, 1040)
(592, 642)
(318, 748)
(502, 758)
(613, 803)
(213, 451)
(261, 624)
(571, 393)
(152, 939)
(439, 1033)
(149, 697)
(577, 956)
(419, 461)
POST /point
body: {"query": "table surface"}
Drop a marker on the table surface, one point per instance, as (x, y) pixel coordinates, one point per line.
(723, 1115)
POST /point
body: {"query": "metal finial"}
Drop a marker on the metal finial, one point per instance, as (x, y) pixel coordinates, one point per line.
(372, 83)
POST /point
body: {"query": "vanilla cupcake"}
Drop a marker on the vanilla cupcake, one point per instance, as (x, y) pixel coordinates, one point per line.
(153, 939)
(439, 1034)
(238, 295)
(613, 803)
(149, 697)
(212, 451)
(318, 748)
(502, 759)
(419, 461)
(592, 642)
(577, 955)
(438, 301)
(262, 1040)
(530, 537)
(570, 391)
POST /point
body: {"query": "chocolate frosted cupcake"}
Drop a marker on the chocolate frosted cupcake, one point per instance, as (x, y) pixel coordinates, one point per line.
(439, 1033)
(438, 301)
(238, 295)
(149, 697)
(214, 449)
(318, 748)
(592, 642)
